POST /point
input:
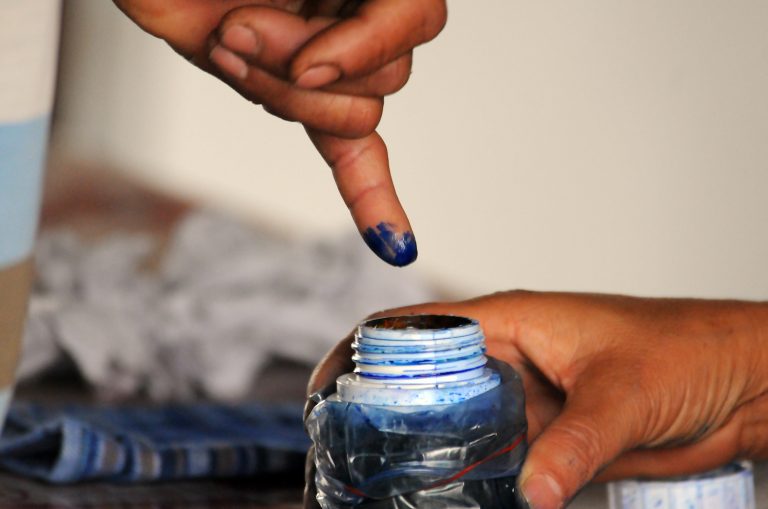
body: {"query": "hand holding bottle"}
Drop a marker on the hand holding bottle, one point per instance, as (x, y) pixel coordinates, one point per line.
(619, 386)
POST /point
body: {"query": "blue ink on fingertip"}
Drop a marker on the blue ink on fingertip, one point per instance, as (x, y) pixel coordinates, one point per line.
(398, 249)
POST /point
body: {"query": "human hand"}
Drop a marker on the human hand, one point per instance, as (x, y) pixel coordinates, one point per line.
(324, 63)
(618, 386)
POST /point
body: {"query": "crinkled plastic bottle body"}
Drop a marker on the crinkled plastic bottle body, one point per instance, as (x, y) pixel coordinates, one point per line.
(465, 455)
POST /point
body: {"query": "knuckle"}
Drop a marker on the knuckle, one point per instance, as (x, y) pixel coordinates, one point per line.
(348, 160)
(249, 14)
(234, 17)
(751, 436)
(252, 99)
(362, 118)
(750, 447)
(399, 74)
(434, 20)
(276, 111)
(293, 6)
(379, 53)
(355, 203)
(745, 443)
(516, 293)
(147, 14)
(341, 115)
(240, 15)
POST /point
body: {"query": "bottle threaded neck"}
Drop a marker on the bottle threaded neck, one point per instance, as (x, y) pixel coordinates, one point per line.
(417, 360)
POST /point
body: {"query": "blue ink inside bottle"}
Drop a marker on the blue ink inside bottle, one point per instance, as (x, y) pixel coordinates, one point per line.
(398, 249)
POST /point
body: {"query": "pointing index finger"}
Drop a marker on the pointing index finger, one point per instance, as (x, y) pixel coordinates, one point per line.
(361, 170)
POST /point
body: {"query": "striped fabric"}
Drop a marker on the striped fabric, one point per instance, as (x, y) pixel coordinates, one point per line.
(134, 444)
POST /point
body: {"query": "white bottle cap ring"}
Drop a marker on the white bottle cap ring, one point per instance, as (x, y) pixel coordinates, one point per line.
(417, 360)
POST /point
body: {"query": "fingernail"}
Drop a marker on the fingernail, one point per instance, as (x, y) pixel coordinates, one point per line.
(228, 62)
(319, 76)
(241, 39)
(542, 492)
(398, 249)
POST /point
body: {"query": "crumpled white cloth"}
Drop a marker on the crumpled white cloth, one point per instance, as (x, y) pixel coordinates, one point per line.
(225, 299)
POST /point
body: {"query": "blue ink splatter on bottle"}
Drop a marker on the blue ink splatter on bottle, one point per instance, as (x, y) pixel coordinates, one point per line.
(398, 249)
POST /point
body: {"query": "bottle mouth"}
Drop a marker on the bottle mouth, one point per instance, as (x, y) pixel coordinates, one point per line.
(416, 360)
(417, 327)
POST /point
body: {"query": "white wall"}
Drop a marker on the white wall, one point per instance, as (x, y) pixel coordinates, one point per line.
(597, 145)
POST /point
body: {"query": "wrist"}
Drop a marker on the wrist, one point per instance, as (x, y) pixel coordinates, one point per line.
(753, 348)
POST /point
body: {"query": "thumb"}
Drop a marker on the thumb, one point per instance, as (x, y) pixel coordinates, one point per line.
(379, 32)
(591, 431)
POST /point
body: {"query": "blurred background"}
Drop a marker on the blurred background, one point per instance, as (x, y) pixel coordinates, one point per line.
(614, 147)
(193, 247)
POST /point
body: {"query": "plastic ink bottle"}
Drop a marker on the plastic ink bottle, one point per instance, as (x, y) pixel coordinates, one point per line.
(425, 420)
